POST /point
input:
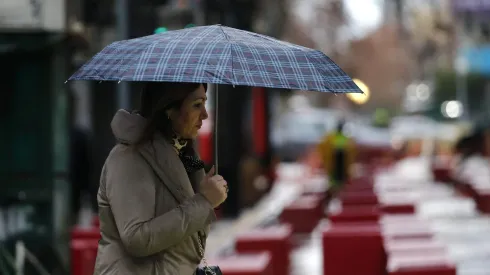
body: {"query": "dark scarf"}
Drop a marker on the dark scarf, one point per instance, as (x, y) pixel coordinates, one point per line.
(191, 162)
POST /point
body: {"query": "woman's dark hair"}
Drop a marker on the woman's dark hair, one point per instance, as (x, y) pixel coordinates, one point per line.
(471, 144)
(156, 99)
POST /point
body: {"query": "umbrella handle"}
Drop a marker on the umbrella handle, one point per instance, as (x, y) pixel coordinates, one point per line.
(216, 94)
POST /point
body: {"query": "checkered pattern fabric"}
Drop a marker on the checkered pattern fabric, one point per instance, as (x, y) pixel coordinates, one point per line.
(220, 55)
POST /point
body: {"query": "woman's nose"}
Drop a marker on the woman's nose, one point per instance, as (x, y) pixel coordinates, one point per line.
(204, 114)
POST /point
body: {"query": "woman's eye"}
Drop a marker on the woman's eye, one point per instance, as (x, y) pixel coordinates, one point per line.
(198, 105)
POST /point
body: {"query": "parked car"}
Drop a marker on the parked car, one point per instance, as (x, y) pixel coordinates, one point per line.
(295, 132)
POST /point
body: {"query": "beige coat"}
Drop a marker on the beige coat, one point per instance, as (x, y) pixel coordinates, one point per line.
(149, 213)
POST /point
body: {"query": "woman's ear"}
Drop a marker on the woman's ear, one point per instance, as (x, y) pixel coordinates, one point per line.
(169, 114)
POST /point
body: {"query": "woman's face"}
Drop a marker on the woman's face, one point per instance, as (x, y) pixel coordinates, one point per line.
(187, 120)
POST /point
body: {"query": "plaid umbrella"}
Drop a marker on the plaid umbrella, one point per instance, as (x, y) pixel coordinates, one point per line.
(220, 55)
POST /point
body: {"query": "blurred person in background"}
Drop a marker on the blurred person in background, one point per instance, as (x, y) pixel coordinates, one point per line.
(441, 160)
(469, 159)
(155, 201)
(486, 142)
(414, 148)
(337, 152)
(401, 151)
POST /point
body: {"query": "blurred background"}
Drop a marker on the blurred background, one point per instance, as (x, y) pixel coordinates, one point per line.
(424, 66)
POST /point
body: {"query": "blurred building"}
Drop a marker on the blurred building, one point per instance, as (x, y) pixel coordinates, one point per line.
(473, 56)
(473, 26)
(384, 63)
(35, 46)
(426, 33)
(41, 44)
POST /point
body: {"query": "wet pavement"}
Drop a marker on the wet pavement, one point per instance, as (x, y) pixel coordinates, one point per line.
(307, 257)
(455, 222)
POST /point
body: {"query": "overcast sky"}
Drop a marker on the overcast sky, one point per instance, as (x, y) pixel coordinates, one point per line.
(365, 15)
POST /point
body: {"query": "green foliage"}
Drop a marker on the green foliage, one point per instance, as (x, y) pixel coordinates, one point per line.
(381, 118)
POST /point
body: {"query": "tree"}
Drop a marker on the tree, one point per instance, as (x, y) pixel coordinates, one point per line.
(432, 36)
(319, 31)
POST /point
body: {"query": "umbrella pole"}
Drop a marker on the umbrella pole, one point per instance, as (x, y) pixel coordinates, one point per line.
(216, 95)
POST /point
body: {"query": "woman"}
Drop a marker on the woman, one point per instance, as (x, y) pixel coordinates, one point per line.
(155, 202)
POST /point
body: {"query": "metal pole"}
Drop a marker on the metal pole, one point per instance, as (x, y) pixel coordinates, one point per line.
(462, 93)
(399, 5)
(121, 9)
(197, 10)
(487, 101)
(461, 76)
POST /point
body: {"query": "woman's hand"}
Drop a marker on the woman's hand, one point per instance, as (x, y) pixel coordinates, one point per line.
(214, 188)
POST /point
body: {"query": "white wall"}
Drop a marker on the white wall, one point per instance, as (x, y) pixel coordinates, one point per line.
(48, 15)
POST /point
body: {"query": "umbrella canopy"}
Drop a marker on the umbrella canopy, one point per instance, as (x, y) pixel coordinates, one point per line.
(220, 55)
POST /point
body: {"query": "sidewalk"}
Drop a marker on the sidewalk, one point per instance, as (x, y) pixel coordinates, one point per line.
(285, 190)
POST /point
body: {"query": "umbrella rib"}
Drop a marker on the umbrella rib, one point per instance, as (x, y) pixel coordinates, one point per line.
(332, 90)
(316, 69)
(147, 50)
(231, 55)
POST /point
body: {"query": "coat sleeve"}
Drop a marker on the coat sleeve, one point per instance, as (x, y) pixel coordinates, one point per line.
(130, 189)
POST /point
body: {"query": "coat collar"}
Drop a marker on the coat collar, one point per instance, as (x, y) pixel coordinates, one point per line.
(163, 159)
